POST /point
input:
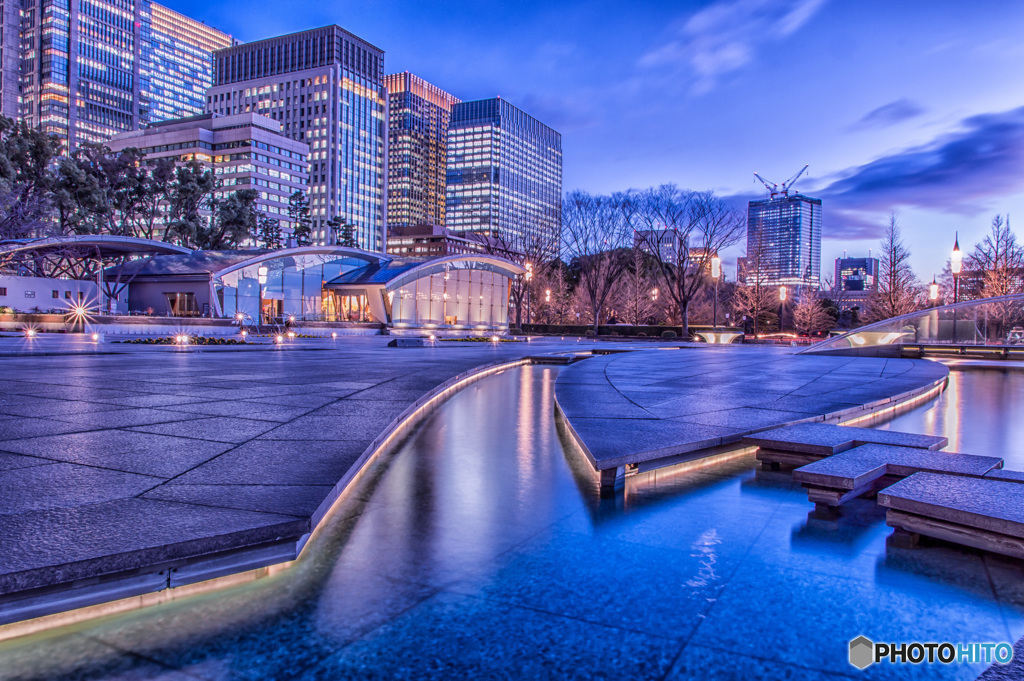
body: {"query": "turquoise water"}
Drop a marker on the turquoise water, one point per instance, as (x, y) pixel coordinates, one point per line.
(481, 550)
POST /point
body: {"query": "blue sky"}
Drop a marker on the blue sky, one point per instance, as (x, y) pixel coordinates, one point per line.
(912, 106)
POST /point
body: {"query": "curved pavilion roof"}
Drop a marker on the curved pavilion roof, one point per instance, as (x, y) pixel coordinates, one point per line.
(107, 244)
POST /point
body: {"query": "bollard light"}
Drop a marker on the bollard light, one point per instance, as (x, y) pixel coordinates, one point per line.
(334, 334)
(279, 339)
(494, 339)
(244, 333)
(95, 338)
(31, 333)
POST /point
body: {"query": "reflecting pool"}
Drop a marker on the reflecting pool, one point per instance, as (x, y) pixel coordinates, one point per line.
(480, 549)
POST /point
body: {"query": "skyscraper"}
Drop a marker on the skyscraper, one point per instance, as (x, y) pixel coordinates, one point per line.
(177, 63)
(787, 231)
(504, 175)
(326, 87)
(10, 57)
(856, 274)
(90, 70)
(418, 118)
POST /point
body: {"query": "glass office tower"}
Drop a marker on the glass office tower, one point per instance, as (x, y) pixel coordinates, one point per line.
(504, 175)
(326, 88)
(95, 68)
(788, 230)
(178, 63)
(418, 118)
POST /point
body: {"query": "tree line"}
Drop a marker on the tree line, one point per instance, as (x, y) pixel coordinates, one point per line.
(45, 192)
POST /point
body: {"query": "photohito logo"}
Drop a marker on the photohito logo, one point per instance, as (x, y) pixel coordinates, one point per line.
(864, 652)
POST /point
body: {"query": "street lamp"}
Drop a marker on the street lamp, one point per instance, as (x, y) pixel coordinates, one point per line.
(529, 278)
(716, 272)
(956, 264)
(782, 303)
(933, 292)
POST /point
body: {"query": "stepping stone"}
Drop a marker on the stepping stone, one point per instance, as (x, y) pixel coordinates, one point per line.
(869, 468)
(1000, 474)
(985, 513)
(804, 443)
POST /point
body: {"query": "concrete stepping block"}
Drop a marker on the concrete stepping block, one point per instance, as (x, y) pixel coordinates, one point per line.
(833, 480)
(1000, 474)
(803, 443)
(984, 513)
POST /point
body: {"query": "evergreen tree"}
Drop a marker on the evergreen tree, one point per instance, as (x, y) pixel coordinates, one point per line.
(268, 232)
(302, 223)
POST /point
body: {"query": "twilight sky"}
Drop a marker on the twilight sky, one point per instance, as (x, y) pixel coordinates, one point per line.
(913, 106)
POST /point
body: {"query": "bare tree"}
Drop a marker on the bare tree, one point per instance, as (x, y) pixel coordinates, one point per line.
(635, 299)
(810, 317)
(755, 297)
(684, 230)
(596, 237)
(897, 288)
(996, 268)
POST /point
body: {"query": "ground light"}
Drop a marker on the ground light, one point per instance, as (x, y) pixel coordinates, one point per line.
(334, 334)
(30, 333)
(279, 339)
(95, 338)
(244, 333)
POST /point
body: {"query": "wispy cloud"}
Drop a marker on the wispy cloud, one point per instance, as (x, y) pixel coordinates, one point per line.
(726, 35)
(889, 114)
(958, 172)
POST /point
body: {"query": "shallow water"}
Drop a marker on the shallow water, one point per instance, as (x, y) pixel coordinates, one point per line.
(481, 550)
(981, 412)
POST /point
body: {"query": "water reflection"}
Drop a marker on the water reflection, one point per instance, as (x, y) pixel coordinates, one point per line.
(981, 412)
(481, 550)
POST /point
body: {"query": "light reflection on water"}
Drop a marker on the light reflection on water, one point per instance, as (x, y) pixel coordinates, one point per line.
(981, 412)
(481, 550)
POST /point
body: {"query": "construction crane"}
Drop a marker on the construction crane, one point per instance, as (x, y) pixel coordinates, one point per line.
(775, 190)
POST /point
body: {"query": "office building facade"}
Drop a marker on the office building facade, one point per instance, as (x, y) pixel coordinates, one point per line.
(418, 118)
(787, 231)
(245, 151)
(177, 63)
(10, 58)
(504, 175)
(92, 69)
(325, 86)
(856, 274)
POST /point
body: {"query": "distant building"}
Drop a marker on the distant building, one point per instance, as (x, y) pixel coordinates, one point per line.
(856, 274)
(661, 243)
(10, 59)
(504, 175)
(179, 67)
(418, 118)
(246, 151)
(435, 241)
(91, 70)
(325, 86)
(787, 229)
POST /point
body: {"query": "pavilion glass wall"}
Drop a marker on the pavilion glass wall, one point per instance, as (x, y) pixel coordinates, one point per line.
(455, 298)
(277, 289)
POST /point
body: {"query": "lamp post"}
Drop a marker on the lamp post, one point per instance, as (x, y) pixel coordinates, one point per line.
(782, 304)
(716, 273)
(933, 292)
(956, 264)
(529, 278)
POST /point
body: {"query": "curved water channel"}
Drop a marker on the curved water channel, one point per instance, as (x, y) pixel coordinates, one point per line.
(480, 549)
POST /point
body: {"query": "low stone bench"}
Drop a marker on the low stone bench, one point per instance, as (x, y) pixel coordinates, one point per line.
(985, 513)
(834, 480)
(804, 443)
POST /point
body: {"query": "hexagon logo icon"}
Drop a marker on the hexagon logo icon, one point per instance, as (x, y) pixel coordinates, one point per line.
(862, 652)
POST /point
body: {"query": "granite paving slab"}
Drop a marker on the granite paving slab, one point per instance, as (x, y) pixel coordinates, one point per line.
(837, 478)
(984, 503)
(294, 500)
(60, 485)
(736, 390)
(826, 439)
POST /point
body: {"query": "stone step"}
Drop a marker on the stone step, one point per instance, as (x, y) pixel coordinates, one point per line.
(803, 443)
(833, 480)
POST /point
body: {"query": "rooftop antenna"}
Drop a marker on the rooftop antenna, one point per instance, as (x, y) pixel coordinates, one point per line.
(784, 188)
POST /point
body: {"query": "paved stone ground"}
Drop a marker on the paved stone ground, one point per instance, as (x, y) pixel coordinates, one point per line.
(635, 407)
(110, 462)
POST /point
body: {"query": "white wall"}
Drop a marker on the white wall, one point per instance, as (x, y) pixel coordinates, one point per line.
(26, 294)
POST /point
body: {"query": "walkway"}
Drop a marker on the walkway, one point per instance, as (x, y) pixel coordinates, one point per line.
(638, 408)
